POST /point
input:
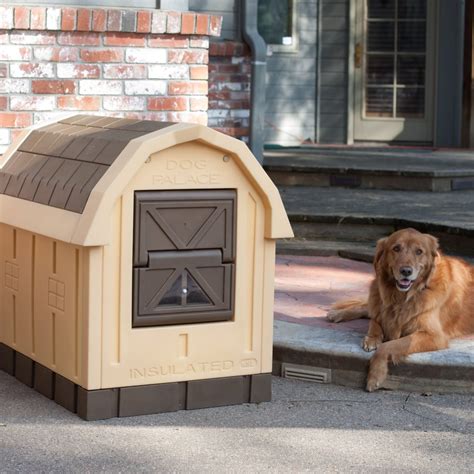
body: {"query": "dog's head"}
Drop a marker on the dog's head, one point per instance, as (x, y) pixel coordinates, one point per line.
(406, 258)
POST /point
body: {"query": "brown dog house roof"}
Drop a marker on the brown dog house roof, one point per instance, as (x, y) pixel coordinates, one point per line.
(78, 167)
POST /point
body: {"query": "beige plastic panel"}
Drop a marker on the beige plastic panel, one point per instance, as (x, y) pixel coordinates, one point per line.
(188, 352)
(41, 300)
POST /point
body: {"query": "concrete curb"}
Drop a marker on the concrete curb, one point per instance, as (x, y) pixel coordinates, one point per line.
(446, 371)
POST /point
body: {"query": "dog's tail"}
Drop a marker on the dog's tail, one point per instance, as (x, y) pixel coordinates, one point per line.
(348, 310)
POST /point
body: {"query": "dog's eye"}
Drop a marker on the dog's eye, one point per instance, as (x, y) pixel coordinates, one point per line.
(397, 248)
(419, 251)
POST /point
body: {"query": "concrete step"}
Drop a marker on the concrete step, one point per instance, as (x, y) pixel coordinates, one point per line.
(326, 248)
(364, 216)
(372, 168)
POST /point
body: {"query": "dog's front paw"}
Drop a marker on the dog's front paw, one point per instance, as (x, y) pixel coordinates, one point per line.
(335, 316)
(372, 384)
(370, 344)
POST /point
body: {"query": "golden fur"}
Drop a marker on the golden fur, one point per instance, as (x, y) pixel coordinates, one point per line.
(418, 300)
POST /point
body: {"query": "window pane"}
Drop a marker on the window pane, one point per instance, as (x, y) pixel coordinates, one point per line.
(274, 20)
(381, 8)
(380, 36)
(173, 295)
(379, 102)
(411, 102)
(195, 294)
(411, 36)
(379, 69)
(415, 9)
(411, 70)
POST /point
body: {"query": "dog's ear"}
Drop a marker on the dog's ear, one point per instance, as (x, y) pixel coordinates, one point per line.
(433, 245)
(379, 251)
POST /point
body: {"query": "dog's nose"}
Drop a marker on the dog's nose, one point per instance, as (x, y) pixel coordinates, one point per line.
(406, 271)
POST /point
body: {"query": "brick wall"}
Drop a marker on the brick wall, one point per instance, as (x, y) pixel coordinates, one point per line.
(135, 63)
(229, 88)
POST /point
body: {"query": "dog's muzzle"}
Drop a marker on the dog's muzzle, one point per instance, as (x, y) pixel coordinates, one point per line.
(406, 278)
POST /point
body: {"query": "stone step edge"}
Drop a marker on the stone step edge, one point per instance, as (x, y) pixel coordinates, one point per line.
(326, 248)
(398, 222)
(340, 170)
(349, 367)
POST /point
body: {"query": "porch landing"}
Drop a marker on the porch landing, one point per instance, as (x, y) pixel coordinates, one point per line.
(305, 288)
(372, 167)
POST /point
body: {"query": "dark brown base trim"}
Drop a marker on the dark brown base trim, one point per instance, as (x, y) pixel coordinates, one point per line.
(132, 401)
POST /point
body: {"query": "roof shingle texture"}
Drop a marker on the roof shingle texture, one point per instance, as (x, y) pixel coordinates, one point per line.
(58, 165)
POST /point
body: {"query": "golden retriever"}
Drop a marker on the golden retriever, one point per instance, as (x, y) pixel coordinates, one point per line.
(418, 300)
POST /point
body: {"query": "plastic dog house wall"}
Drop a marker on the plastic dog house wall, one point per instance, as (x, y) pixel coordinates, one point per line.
(137, 266)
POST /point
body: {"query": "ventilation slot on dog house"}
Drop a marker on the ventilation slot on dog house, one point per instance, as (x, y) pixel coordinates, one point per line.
(306, 373)
(184, 257)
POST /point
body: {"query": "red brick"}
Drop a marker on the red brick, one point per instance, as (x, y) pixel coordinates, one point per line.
(3, 70)
(202, 24)
(69, 102)
(187, 88)
(53, 87)
(114, 20)
(168, 41)
(173, 23)
(177, 56)
(187, 23)
(158, 22)
(123, 103)
(15, 119)
(124, 39)
(6, 18)
(219, 95)
(193, 117)
(38, 18)
(3, 102)
(198, 103)
(22, 18)
(4, 39)
(234, 131)
(168, 103)
(143, 21)
(32, 70)
(99, 20)
(35, 102)
(102, 55)
(215, 25)
(197, 42)
(125, 71)
(80, 71)
(83, 19)
(15, 53)
(217, 49)
(33, 37)
(79, 38)
(14, 134)
(52, 53)
(68, 19)
(198, 72)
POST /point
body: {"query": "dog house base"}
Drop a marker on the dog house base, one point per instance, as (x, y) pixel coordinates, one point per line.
(139, 400)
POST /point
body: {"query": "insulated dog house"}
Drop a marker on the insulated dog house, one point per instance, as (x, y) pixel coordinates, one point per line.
(137, 266)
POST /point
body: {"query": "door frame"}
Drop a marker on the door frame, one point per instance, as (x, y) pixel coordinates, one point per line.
(351, 83)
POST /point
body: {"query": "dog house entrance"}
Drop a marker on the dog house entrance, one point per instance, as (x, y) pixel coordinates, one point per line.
(183, 257)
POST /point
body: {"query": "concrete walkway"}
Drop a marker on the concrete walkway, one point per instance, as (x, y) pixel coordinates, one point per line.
(306, 428)
(305, 289)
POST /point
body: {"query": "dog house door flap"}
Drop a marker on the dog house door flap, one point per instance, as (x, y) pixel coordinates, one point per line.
(184, 254)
